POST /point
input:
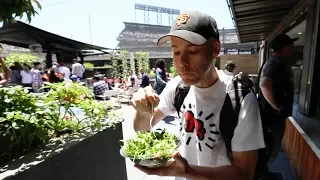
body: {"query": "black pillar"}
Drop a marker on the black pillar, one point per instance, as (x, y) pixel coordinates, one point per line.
(48, 60)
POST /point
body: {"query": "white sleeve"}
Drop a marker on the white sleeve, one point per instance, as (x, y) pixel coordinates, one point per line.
(167, 97)
(73, 69)
(248, 134)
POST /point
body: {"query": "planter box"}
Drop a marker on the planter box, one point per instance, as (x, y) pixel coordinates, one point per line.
(94, 158)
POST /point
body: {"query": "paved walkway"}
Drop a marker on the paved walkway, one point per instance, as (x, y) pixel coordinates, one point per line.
(281, 164)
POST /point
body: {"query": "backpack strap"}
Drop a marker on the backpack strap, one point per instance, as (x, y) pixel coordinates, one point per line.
(230, 110)
(180, 94)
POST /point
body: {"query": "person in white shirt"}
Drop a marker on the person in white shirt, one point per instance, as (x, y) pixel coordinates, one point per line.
(64, 71)
(203, 155)
(131, 75)
(77, 69)
(26, 76)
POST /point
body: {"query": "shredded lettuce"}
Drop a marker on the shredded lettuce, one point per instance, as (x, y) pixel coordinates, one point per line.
(153, 144)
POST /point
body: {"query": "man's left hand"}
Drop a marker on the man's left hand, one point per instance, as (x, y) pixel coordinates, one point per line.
(177, 167)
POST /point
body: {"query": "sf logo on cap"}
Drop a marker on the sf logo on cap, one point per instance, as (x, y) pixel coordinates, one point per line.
(182, 19)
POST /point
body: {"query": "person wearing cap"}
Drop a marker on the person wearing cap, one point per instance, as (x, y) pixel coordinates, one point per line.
(276, 92)
(194, 38)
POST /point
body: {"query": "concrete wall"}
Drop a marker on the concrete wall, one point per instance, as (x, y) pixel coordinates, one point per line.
(246, 63)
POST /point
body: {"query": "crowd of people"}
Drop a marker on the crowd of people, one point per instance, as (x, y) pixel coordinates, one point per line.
(35, 77)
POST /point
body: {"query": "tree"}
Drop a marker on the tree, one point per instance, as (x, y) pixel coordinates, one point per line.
(20, 58)
(11, 9)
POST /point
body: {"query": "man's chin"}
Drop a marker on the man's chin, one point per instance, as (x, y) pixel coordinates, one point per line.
(189, 82)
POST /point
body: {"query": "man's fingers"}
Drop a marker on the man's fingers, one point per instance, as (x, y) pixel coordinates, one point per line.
(144, 98)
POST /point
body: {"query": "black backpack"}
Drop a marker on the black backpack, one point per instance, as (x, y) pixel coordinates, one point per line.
(236, 92)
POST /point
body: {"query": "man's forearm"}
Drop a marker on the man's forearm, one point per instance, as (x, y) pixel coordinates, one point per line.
(217, 173)
(268, 94)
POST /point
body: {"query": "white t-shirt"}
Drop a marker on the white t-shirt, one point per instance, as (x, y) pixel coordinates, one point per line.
(135, 79)
(202, 108)
(66, 71)
(78, 69)
(26, 77)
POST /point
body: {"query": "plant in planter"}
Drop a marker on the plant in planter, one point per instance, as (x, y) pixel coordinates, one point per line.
(62, 102)
(88, 65)
(114, 65)
(27, 122)
(145, 61)
(21, 124)
(125, 59)
(152, 75)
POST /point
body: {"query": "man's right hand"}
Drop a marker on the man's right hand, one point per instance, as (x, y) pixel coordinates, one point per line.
(145, 99)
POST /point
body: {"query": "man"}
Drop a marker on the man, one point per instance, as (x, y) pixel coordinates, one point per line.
(276, 90)
(77, 69)
(131, 75)
(36, 77)
(99, 86)
(203, 155)
(144, 79)
(64, 70)
(230, 66)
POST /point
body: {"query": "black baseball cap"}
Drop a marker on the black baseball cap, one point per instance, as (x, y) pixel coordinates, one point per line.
(282, 40)
(193, 26)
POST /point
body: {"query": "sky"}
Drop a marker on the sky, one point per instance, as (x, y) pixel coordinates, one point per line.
(70, 18)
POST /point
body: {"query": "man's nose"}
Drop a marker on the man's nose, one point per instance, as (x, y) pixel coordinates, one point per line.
(183, 60)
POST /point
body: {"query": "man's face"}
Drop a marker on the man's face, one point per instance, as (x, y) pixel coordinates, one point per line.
(193, 62)
(287, 50)
(141, 71)
(130, 73)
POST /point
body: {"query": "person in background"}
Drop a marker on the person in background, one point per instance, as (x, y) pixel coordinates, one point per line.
(5, 73)
(144, 79)
(77, 69)
(55, 76)
(118, 83)
(132, 75)
(15, 74)
(45, 76)
(229, 68)
(276, 95)
(130, 84)
(108, 82)
(64, 71)
(99, 86)
(26, 77)
(161, 77)
(36, 77)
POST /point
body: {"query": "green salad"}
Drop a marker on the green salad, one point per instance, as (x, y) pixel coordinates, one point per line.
(153, 144)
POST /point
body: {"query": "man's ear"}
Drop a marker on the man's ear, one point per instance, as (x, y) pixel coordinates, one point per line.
(216, 49)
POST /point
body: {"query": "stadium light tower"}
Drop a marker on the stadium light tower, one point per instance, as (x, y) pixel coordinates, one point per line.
(159, 10)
